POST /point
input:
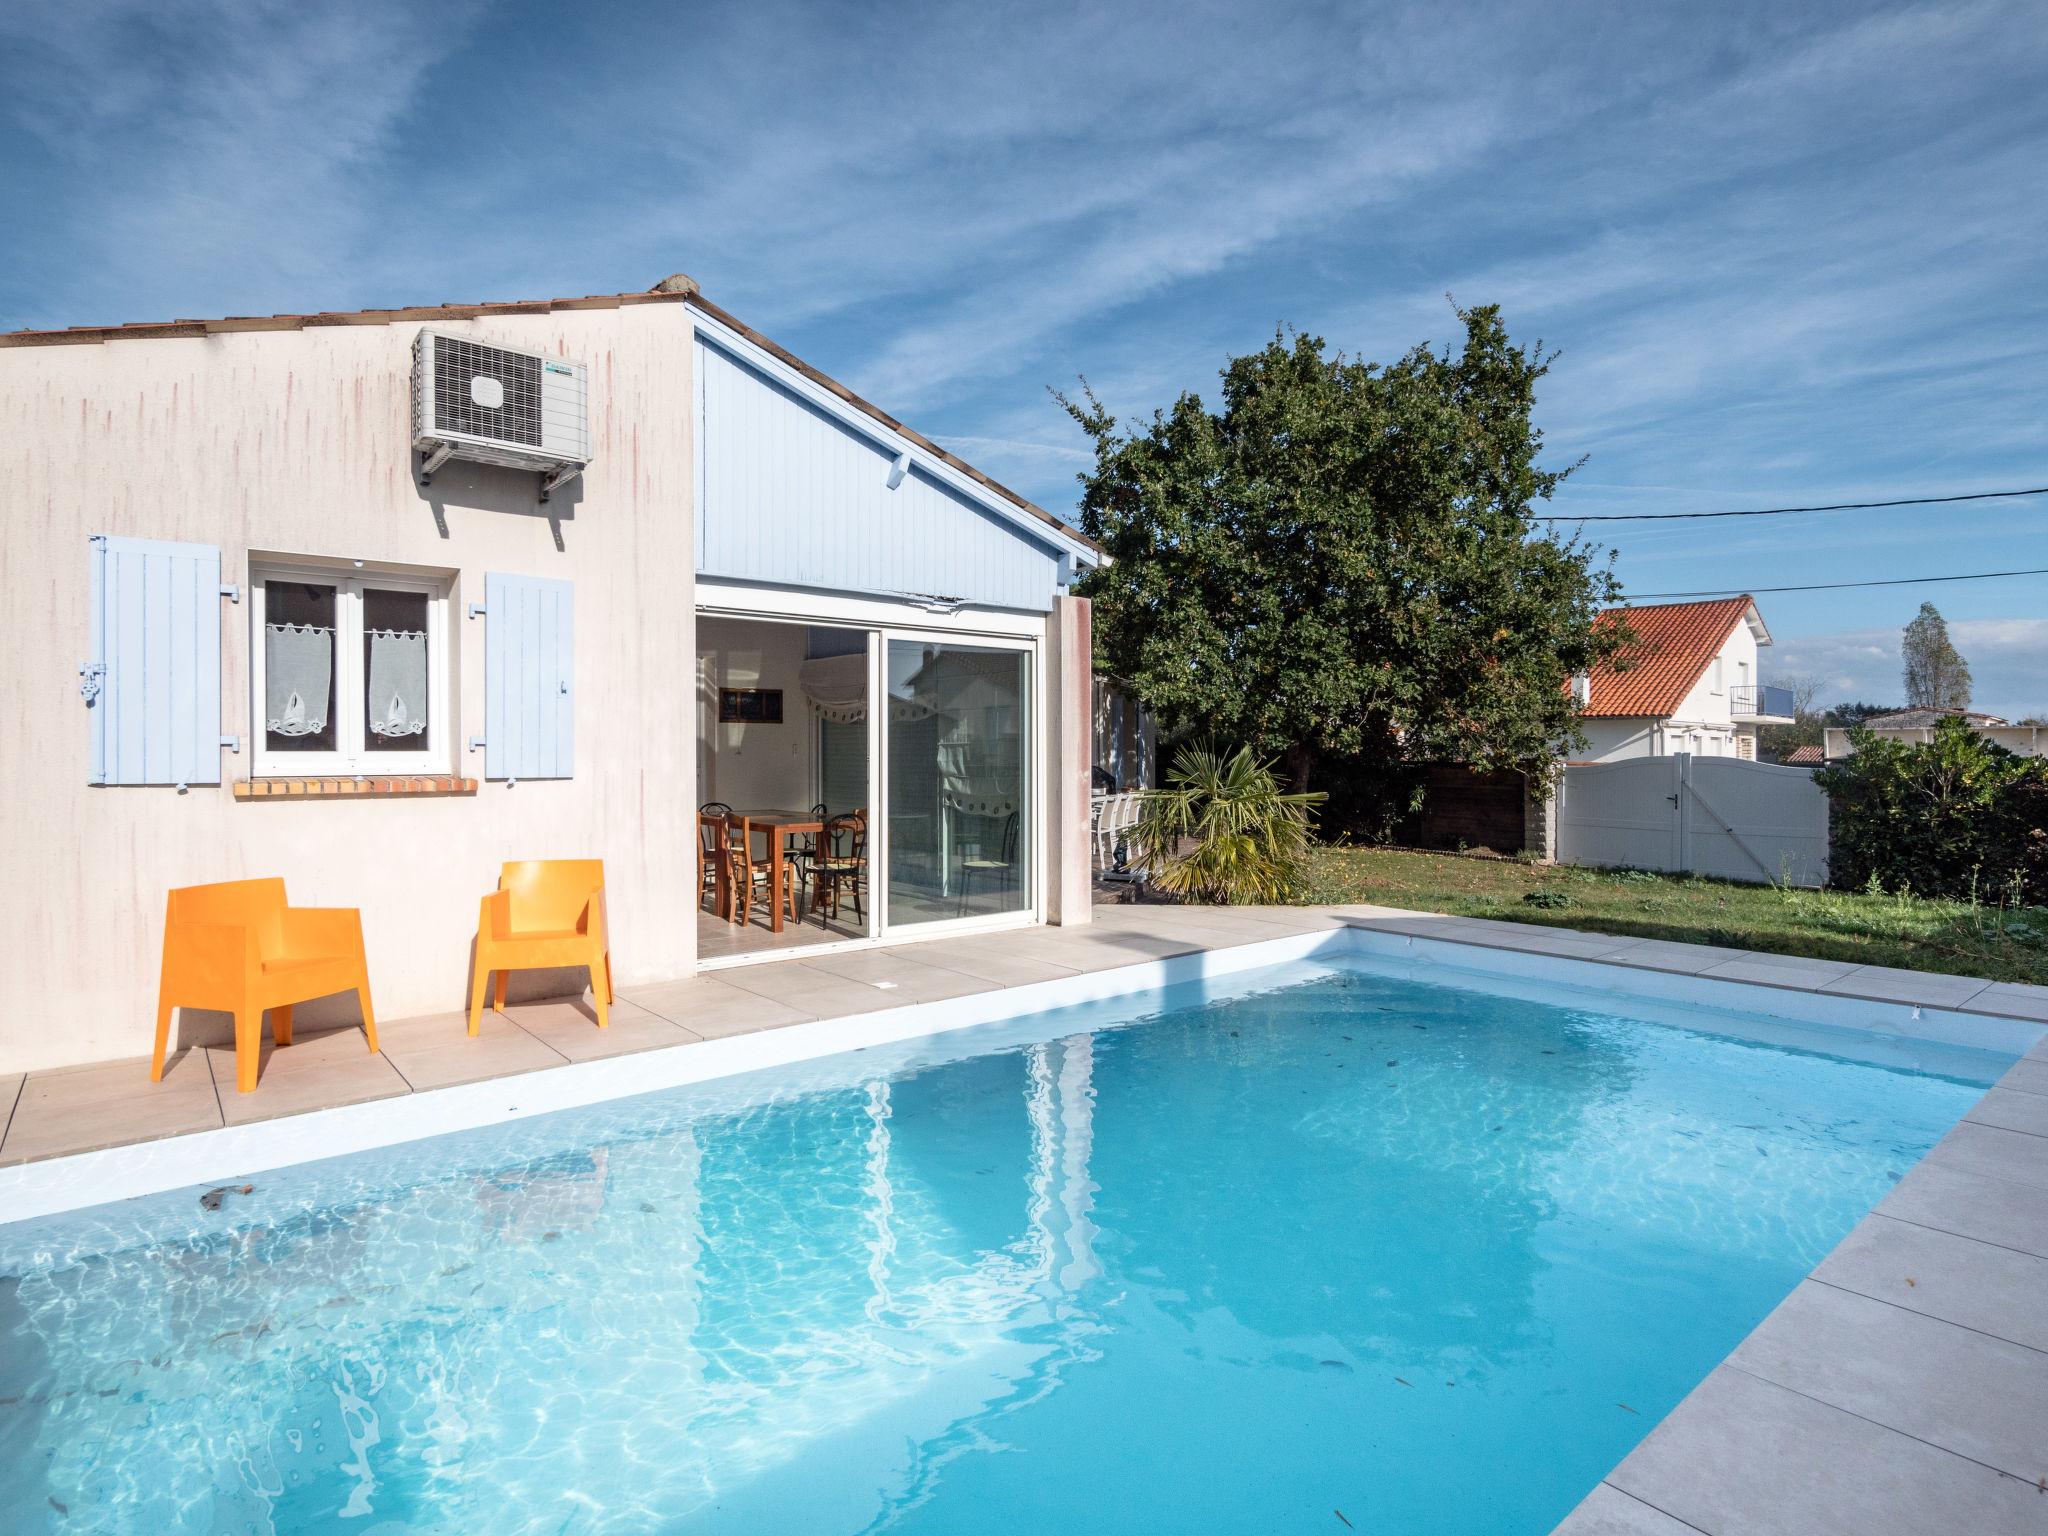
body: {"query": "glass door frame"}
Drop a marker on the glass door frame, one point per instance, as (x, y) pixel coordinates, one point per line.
(884, 621)
(1034, 843)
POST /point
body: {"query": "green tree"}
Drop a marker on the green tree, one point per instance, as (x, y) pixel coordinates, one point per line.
(1343, 558)
(1937, 677)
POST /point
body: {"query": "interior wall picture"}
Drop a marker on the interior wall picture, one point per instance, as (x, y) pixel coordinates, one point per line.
(750, 706)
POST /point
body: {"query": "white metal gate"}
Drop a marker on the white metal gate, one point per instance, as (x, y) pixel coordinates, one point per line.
(1716, 816)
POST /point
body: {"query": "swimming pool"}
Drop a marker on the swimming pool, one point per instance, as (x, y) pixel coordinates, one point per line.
(1317, 1244)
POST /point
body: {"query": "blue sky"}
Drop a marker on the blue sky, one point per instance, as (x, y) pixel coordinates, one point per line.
(1789, 253)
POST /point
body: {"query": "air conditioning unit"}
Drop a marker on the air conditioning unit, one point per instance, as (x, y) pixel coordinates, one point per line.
(497, 405)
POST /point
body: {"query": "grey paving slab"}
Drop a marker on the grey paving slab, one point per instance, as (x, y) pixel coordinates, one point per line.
(1530, 938)
(1781, 971)
(1924, 989)
(1981, 1397)
(317, 1071)
(1744, 1457)
(819, 993)
(713, 1009)
(1987, 1149)
(1666, 955)
(992, 960)
(1961, 1280)
(894, 971)
(108, 1104)
(2017, 1001)
(2012, 1110)
(1607, 1511)
(1094, 949)
(439, 1052)
(570, 1027)
(1989, 1209)
(2026, 1077)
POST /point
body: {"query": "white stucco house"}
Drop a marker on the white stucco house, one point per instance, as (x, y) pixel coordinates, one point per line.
(377, 600)
(1911, 726)
(1689, 684)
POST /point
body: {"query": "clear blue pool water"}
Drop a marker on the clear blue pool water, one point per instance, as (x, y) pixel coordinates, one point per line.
(1347, 1252)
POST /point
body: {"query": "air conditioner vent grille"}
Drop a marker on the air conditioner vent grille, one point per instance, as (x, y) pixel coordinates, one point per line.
(458, 404)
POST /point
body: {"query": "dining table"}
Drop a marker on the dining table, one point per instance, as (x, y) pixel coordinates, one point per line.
(780, 826)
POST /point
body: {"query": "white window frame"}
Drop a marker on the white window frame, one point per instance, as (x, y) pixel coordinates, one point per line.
(1716, 686)
(351, 757)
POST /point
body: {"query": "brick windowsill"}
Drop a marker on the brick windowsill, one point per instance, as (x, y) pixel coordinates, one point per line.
(354, 788)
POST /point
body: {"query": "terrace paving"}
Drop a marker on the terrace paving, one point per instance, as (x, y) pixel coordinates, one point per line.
(1900, 1388)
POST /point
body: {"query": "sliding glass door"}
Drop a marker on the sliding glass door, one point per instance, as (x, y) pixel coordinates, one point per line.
(959, 819)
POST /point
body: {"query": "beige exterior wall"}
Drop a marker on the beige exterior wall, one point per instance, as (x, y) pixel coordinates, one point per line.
(297, 442)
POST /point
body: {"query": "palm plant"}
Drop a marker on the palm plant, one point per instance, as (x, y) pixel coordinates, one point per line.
(1249, 837)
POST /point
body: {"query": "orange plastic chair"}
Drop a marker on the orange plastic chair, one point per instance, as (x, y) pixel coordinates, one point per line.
(239, 947)
(545, 912)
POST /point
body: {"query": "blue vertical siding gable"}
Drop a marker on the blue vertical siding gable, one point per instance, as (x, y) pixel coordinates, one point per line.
(790, 495)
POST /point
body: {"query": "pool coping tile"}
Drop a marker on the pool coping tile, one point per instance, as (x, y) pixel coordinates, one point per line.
(1962, 1280)
(2012, 1109)
(1607, 1511)
(1981, 1206)
(1743, 1456)
(1979, 1396)
(2026, 1076)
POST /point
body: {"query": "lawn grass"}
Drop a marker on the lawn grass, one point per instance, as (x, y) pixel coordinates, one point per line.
(1957, 937)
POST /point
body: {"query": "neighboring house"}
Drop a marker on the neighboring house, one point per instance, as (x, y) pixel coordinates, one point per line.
(1914, 725)
(276, 635)
(1690, 684)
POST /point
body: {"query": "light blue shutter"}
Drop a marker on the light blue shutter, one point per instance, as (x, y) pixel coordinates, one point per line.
(151, 679)
(529, 678)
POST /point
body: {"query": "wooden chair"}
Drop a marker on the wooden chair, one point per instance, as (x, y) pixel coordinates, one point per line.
(996, 873)
(544, 913)
(714, 861)
(241, 948)
(841, 861)
(748, 872)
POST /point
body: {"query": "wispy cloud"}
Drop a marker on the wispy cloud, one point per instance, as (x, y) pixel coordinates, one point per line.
(1790, 254)
(212, 147)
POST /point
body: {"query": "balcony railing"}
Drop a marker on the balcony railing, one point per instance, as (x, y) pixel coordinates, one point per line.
(1755, 701)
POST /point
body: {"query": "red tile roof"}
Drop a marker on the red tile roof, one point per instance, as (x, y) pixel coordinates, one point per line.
(1674, 643)
(1805, 757)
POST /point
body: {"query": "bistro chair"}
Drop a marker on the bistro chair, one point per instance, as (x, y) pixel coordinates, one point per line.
(802, 847)
(841, 863)
(241, 948)
(714, 862)
(749, 872)
(544, 913)
(997, 873)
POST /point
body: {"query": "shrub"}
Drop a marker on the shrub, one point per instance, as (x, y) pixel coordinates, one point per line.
(1958, 816)
(1250, 838)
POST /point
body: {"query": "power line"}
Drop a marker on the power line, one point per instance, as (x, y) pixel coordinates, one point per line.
(1836, 586)
(1839, 506)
